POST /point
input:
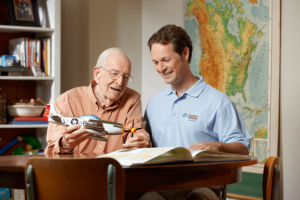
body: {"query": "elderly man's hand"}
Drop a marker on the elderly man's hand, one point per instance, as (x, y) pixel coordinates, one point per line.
(212, 146)
(138, 141)
(72, 137)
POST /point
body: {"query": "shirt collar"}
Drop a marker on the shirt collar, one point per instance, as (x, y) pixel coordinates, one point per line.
(197, 88)
(94, 99)
(194, 91)
(169, 91)
(91, 94)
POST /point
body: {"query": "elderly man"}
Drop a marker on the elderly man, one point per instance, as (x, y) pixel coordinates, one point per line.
(189, 113)
(108, 98)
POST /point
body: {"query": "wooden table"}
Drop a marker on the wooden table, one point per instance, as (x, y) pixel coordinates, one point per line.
(142, 178)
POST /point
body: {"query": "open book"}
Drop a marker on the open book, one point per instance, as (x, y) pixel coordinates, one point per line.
(151, 156)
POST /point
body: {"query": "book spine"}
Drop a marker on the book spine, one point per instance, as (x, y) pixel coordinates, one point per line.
(46, 58)
(29, 119)
(43, 58)
(28, 56)
(38, 49)
(49, 56)
(23, 53)
(30, 122)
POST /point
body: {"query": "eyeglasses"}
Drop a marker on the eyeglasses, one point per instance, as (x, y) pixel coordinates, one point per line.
(113, 74)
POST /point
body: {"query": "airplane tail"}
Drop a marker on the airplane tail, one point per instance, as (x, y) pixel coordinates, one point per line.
(50, 110)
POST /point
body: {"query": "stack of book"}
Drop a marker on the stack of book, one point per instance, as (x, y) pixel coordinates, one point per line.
(30, 51)
(29, 120)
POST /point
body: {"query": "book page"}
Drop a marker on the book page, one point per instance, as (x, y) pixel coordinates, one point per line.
(210, 156)
(139, 156)
(131, 156)
(195, 152)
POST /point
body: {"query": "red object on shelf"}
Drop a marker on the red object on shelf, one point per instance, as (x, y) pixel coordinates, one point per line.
(46, 113)
(29, 119)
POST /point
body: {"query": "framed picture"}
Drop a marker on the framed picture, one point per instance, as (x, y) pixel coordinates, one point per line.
(23, 13)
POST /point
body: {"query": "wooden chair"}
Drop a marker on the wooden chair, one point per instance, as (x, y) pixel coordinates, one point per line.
(81, 178)
(271, 179)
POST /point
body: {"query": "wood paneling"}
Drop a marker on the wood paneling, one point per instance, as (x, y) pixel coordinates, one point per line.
(5, 37)
(15, 90)
(9, 134)
(3, 12)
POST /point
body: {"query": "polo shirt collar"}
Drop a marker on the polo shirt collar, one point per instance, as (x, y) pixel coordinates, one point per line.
(194, 91)
(197, 88)
(94, 99)
(169, 91)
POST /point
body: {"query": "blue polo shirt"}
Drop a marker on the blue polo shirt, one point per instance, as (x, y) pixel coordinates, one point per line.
(201, 114)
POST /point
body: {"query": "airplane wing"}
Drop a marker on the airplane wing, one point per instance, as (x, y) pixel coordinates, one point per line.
(55, 119)
(103, 127)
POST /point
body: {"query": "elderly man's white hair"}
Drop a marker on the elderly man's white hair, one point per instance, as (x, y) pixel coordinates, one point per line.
(113, 50)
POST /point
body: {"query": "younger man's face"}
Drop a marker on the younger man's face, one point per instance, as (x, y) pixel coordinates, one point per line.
(168, 63)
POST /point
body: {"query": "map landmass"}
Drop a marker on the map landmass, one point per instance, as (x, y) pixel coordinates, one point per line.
(231, 53)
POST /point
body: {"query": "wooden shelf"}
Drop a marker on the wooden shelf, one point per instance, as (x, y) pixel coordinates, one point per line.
(23, 125)
(24, 78)
(16, 29)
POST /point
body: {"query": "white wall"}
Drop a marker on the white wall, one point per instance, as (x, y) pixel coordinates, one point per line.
(290, 98)
(155, 14)
(91, 26)
(116, 23)
(74, 44)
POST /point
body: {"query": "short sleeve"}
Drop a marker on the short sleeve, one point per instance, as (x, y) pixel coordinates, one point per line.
(230, 127)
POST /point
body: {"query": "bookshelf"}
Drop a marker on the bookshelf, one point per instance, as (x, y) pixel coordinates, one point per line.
(26, 87)
(23, 126)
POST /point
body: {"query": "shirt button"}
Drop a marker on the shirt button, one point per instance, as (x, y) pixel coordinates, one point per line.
(99, 145)
(174, 113)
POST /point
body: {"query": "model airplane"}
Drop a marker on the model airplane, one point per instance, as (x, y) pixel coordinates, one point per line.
(90, 123)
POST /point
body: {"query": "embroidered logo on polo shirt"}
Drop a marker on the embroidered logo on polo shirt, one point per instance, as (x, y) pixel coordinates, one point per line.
(193, 118)
(190, 117)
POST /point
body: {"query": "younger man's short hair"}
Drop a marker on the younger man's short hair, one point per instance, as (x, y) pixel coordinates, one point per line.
(175, 35)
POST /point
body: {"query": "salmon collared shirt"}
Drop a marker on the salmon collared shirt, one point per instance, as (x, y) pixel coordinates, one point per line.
(82, 101)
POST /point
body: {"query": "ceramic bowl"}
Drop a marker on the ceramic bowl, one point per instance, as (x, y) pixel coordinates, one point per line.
(25, 110)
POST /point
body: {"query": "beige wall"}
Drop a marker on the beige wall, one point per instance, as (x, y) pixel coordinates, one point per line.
(290, 98)
(116, 23)
(74, 44)
(91, 26)
(155, 14)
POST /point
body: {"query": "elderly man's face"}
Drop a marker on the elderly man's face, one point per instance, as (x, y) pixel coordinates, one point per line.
(113, 89)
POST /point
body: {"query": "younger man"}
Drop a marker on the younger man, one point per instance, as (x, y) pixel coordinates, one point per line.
(189, 113)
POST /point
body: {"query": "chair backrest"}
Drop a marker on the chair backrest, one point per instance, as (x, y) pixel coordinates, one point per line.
(75, 178)
(271, 179)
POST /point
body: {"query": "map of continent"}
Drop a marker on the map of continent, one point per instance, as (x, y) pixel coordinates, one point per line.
(261, 150)
(231, 52)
